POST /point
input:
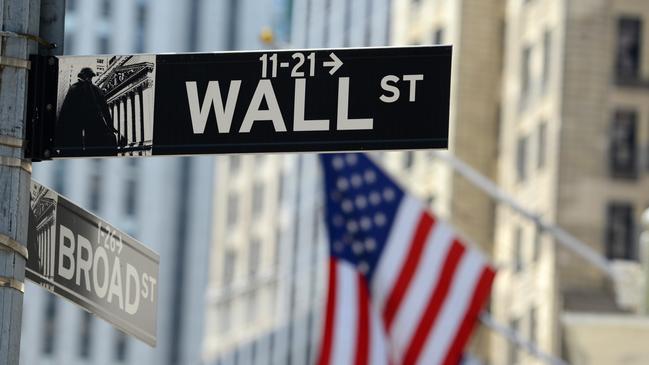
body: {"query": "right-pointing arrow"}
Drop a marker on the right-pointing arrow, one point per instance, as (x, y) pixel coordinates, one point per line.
(335, 63)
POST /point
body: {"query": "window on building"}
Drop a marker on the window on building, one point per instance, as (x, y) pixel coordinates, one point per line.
(49, 326)
(257, 199)
(622, 149)
(536, 249)
(103, 44)
(521, 159)
(141, 26)
(85, 335)
(629, 33)
(251, 310)
(130, 202)
(254, 248)
(121, 346)
(69, 41)
(518, 249)
(547, 59)
(620, 236)
(96, 185)
(438, 36)
(71, 5)
(235, 164)
(229, 264)
(280, 186)
(513, 353)
(225, 316)
(526, 75)
(106, 8)
(541, 145)
(408, 159)
(278, 243)
(233, 209)
(60, 173)
(533, 325)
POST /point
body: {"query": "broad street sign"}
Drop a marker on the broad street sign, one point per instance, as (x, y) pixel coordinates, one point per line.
(80, 257)
(237, 102)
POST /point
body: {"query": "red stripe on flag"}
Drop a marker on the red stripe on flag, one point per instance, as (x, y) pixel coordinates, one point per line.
(408, 269)
(363, 329)
(435, 302)
(479, 298)
(327, 337)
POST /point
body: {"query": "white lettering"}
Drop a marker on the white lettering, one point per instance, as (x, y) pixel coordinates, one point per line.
(115, 288)
(66, 251)
(83, 265)
(213, 96)
(264, 90)
(413, 84)
(385, 85)
(102, 289)
(299, 123)
(132, 278)
(343, 121)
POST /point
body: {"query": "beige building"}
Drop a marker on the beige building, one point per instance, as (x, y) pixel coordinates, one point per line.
(549, 99)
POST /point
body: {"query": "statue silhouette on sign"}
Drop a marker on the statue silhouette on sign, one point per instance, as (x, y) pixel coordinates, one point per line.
(85, 122)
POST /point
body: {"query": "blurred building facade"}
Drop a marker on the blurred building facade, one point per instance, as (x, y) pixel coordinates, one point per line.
(166, 203)
(548, 100)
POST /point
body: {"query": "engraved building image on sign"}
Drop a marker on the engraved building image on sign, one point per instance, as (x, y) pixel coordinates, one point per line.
(105, 104)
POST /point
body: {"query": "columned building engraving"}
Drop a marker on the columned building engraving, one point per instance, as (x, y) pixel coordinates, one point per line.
(43, 205)
(127, 84)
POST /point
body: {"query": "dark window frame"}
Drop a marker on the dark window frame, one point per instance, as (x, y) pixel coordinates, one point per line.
(620, 222)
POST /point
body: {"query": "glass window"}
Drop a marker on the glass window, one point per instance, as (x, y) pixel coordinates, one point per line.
(103, 44)
(526, 74)
(233, 209)
(235, 164)
(49, 327)
(629, 33)
(85, 335)
(121, 345)
(518, 249)
(622, 149)
(541, 142)
(533, 325)
(620, 231)
(254, 248)
(106, 8)
(257, 199)
(438, 36)
(130, 203)
(96, 186)
(513, 353)
(521, 159)
(229, 262)
(547, 59)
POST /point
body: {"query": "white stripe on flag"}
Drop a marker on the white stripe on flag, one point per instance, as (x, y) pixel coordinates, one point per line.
(454, 309)
(378, 342)
(343, 349)
(421, 287)
(395, 250)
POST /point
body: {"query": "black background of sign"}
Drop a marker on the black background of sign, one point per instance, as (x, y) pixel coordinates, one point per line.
(143, 323)
(398, 125)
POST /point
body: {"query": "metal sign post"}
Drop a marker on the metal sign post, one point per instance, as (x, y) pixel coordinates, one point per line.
(80, 257)
(238, 102)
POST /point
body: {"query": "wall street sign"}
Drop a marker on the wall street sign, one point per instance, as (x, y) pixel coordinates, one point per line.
(237, 102)
(80, 257)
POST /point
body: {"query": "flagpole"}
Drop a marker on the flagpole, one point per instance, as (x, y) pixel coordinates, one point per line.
(516, 339)
(566, 239)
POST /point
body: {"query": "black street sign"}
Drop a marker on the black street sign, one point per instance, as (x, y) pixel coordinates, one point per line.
(237, 102)
(80, 257)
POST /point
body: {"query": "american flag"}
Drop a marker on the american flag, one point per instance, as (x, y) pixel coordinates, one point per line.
(403, 288)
